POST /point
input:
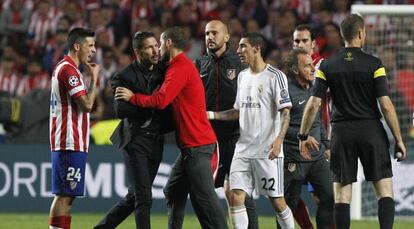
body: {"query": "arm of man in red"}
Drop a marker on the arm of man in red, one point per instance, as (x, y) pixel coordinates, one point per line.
(173, 84)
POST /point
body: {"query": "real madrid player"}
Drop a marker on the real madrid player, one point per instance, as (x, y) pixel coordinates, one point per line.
(70, 105)
(262, 106)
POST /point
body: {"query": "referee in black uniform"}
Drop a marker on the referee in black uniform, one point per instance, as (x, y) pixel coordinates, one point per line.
(357, 82)
(139, 137)
(299, 170)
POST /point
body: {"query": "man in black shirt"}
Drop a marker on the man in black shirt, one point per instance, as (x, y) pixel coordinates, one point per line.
(139, 136)
(297, 169)
(357, 81)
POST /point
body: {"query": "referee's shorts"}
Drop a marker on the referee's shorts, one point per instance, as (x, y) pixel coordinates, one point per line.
(363, 139)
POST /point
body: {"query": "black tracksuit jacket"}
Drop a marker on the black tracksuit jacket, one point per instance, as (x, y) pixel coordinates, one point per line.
(219, 76)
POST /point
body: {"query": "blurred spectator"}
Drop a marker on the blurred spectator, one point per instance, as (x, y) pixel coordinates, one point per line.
(252, 9)
(194, 47)
(271, 29)
(235, 27)
(341, 10)
(107, 66)
(283, 40)
(333, 40)
(14, 22)
(252, 26)
(55, 50)
(35, 78)
(41, 27)
(9, 78)
(123, 61)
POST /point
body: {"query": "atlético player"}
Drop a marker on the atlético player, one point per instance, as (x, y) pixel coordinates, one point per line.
(70, 105)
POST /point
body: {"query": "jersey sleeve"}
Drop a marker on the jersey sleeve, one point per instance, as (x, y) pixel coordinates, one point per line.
(281, 93)
(321, 83)
(72, 82)
(380, 80)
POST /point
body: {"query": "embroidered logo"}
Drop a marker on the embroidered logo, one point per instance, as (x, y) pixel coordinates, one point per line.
(291, 167)
(73, 184)
(260, 88)
(231, 74)
(349, 56)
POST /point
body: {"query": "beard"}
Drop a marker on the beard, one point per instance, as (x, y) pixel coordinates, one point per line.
(213, 48)
(165, 57)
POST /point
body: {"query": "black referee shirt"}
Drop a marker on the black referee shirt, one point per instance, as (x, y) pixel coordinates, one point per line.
(355, 79)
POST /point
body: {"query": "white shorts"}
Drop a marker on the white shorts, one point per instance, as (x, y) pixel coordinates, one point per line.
(260, 174)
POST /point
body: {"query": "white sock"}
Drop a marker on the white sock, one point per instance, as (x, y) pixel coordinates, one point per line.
(285, 219)
(239, 215)
(53, 227)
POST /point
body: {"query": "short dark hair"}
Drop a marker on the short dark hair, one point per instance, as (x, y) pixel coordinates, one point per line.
(78, 35)
(256, 39)
(139, 37)
(292, 59)
(350, 26)
(305, 27)
(176, 34)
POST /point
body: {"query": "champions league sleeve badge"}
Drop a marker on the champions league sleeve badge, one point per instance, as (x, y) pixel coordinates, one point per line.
(73, 81)
(284, 93)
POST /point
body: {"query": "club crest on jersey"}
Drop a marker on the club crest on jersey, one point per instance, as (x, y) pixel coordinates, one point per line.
(260, 88)
(231, 74)
(291, 167)
(73, 81)
(73, 184)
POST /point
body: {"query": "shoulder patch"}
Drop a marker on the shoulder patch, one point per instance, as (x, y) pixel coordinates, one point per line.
(284, 93)
(73, 81)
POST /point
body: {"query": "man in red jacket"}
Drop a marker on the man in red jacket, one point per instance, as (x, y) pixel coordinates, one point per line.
(196, 166)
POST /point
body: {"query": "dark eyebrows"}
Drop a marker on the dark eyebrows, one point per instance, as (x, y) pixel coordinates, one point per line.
(299, 40)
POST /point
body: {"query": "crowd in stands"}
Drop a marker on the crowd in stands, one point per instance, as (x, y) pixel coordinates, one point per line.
(33, 32)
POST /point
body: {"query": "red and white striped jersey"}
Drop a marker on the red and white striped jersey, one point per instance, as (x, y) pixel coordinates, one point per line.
(30, 83)
(69, 126)
(9, 82)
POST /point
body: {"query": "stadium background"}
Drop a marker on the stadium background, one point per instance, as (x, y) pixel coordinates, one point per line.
(32, 40)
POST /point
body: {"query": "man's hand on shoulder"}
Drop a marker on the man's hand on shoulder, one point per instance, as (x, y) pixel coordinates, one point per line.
(122, 93)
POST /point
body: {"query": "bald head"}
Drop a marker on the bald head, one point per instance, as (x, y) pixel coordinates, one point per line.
(216, 36)
(219, 25)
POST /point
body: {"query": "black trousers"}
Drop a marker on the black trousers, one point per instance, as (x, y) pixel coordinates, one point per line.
(319, 175)
(142, 158)
(192, 174)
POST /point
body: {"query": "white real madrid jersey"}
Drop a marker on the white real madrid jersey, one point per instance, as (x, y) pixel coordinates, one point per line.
(259, 98)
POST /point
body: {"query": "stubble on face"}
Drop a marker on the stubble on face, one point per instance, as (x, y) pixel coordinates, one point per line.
(87, 50)
(216, 35)
(149, 53)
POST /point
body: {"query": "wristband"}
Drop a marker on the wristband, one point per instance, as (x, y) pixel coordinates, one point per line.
(302, 137)
(210, 115)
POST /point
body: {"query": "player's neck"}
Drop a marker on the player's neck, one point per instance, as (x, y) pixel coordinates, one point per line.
(353, 44)
(174, 52)
(258, 65)
(220, 52)
(74, 58)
